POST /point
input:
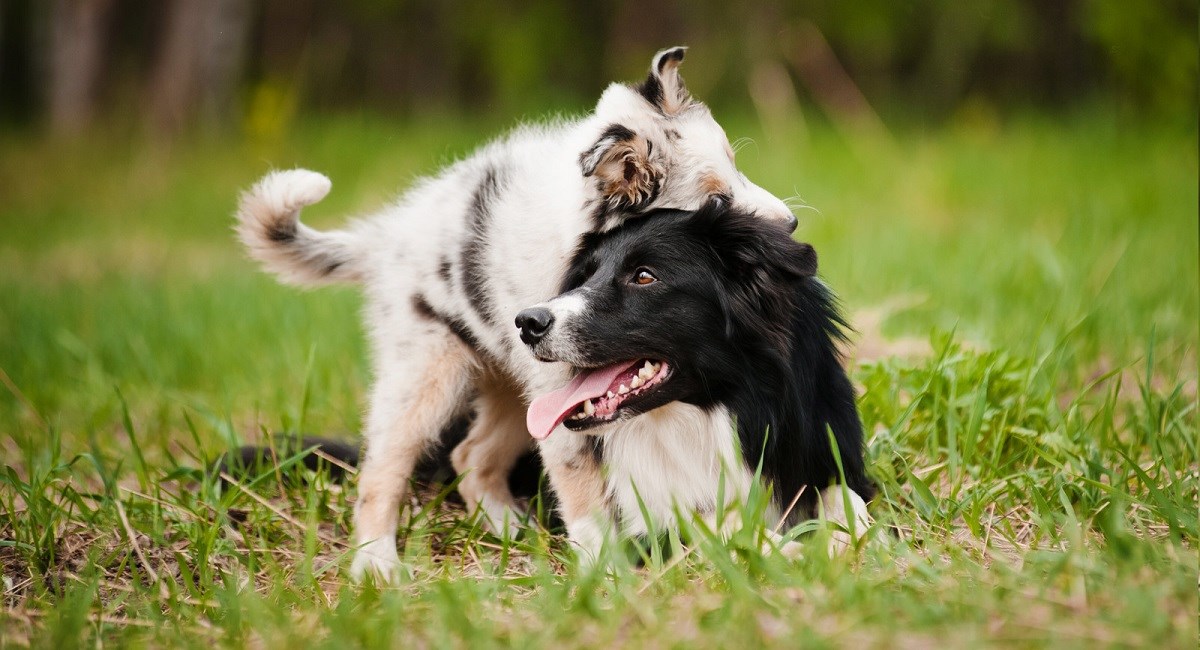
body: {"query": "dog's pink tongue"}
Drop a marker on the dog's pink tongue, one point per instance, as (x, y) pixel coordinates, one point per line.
(549, 410)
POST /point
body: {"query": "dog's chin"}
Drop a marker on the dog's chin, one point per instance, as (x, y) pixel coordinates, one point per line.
(660, 390)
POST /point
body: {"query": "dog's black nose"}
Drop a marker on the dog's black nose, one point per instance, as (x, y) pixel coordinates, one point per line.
(534, 323)
(792, 222)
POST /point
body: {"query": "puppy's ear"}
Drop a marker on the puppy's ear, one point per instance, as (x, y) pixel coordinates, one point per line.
(664, 88)
(620, 162)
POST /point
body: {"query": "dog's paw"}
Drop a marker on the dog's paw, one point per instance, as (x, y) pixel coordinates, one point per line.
(292, 189)
(840, 542)
(792, 550)
(376, 560)
(789, 549)
(850, 526)
(588, 537)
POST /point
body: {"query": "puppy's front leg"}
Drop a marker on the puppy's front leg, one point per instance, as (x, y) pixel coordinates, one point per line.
(573, 467)
(418, 388)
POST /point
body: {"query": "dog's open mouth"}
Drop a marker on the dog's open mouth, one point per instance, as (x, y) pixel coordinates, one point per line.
(596, 396)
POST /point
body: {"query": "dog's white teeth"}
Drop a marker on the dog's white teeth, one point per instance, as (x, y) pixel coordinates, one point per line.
(636, 382)
(610, 395)
(588, 408)
(622, 389)
(646, 372)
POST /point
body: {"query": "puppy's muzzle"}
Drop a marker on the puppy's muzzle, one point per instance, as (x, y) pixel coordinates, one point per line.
(534, 324)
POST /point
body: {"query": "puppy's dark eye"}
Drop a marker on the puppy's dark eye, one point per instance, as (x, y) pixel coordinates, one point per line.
(643, 276)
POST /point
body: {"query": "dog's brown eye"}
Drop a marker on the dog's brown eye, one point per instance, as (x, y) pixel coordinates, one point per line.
(644, 277)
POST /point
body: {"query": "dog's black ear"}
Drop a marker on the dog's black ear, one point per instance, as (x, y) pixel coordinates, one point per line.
(663, 87)
(620, 161)
(804, 259)
(751, 246)
(761, 266)
(771, 249)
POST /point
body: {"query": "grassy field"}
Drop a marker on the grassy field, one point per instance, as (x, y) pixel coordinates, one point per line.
(1038, 459)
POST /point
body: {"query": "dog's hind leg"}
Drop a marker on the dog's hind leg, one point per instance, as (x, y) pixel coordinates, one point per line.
(419, 387)
(497, 438)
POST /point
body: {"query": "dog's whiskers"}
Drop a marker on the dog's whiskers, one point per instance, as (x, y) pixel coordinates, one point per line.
(795, 202)
(740, 143)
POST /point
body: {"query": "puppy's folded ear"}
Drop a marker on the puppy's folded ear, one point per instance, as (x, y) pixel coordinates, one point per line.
(664, 88)
(620, 161)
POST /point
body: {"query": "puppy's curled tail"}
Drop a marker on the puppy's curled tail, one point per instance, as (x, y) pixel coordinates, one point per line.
(269, 225)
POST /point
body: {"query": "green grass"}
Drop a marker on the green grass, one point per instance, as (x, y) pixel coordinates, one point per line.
(1038, 469)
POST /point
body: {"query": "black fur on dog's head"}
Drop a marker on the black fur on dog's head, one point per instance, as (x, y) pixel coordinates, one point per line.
(727, 309)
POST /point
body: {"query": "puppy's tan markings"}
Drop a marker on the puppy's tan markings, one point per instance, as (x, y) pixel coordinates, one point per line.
(712, 184)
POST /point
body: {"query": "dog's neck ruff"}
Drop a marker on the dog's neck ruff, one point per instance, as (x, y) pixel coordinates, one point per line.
(675, 460)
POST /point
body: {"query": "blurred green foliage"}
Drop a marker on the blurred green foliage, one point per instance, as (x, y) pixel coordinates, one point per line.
(1151, 49)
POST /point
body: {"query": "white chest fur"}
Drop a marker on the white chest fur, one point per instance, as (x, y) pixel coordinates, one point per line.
(672, 460)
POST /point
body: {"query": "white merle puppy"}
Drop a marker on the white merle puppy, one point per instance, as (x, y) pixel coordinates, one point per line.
(447, 267)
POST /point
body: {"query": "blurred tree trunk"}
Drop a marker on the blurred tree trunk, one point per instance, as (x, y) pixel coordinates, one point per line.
(957, 35)
(77, 31)
(200, 62)
(639, 28)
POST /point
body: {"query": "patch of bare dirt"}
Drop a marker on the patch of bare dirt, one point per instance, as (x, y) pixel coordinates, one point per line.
(868, 344)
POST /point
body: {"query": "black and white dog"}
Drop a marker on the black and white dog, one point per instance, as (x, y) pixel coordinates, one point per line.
(685, 326)
(447, 266)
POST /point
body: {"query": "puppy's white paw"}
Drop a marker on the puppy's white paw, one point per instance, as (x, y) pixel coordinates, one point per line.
(376, 559)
